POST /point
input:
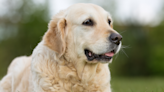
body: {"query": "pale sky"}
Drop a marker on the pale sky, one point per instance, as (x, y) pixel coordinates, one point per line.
(143, 11)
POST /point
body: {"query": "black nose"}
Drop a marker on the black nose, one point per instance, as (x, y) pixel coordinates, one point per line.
(115, 38)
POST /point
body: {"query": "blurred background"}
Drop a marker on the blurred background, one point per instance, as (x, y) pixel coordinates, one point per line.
(139, 67)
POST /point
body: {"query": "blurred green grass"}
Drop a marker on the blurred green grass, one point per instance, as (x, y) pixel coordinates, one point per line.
(137, 84)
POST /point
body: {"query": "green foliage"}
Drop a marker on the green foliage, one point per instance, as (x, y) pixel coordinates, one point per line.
(156, 59)
(144, 53)
(28, 33)
(22, 28)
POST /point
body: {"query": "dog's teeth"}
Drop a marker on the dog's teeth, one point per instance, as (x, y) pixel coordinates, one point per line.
(90, 54)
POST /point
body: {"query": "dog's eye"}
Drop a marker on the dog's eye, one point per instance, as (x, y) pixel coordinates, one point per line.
(109, 21)
(88, 22)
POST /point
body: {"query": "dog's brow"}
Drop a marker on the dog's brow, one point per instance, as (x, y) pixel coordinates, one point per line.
(85, 17)
(109, 16)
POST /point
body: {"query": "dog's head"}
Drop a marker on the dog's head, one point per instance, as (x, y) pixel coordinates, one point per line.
(85, 32)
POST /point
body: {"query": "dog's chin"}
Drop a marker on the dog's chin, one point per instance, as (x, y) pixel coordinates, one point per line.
(99, 61)
(102, 58)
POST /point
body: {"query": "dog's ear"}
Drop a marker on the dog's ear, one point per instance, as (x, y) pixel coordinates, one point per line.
(54, 38)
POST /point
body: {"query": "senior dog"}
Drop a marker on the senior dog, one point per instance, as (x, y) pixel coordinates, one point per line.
(73, 55)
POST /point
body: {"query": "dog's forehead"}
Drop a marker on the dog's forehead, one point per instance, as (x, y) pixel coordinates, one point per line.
(84, 11)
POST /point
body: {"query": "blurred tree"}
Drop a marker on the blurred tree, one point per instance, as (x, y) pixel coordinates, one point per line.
(25, 21)
(21, 29)
(156, 58)
(132, 59)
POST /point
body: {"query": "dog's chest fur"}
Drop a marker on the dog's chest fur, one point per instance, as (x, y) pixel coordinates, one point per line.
(67, 80)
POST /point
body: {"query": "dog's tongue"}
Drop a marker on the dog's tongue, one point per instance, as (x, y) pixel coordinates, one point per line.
(109, 54)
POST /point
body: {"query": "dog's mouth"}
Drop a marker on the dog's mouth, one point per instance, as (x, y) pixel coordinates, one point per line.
(100, 57)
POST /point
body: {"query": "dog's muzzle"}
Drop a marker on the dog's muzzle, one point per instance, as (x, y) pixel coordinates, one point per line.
(115, 39)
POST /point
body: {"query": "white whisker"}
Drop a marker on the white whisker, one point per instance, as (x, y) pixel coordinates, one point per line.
(117, 55)
(122, 47)
(123, 32)
(124, 52)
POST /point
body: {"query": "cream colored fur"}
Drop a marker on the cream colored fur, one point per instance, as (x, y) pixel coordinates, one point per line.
(58, 63)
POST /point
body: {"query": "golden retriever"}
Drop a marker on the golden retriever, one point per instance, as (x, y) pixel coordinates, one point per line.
(73, 55)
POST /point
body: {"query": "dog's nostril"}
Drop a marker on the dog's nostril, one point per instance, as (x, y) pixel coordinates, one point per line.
(115, 38)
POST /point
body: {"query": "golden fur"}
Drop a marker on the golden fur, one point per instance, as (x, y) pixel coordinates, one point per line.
(58, 63)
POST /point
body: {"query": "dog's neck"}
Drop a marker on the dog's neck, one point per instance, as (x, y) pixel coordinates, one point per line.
(85, 71)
